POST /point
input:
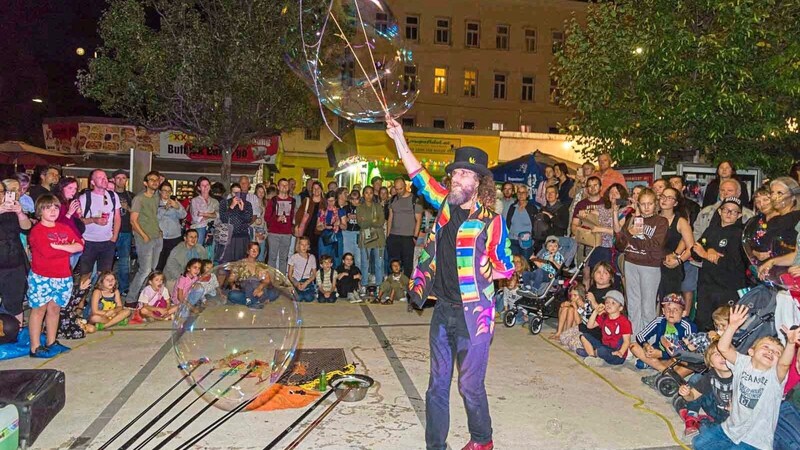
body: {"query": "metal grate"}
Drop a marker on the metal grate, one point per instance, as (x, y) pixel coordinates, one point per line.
(308, 363)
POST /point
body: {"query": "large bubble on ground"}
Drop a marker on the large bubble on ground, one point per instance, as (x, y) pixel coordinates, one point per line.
(352, 55)
(239, 327)
(759, 247)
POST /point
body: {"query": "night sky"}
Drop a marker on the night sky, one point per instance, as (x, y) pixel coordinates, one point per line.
(38, 39)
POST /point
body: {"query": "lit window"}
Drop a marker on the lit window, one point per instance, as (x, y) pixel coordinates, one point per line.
(440, 80)
(410, 78)
(498, 126)
(470, 83)
(555, 92)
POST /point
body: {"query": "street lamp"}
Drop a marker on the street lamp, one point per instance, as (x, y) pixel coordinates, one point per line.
(638, 51)
(37, 100)
(80, 51)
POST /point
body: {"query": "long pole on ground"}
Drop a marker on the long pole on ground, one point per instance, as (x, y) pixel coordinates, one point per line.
(297, 422)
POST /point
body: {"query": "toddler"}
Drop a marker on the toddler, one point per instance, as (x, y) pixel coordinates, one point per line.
(616, 333)
(154, 301)
(208, 279)
(548, 263)
(326, 280)
(395, 286)
(107, 307)
(571, 315)
(712, 393)
(303, 271)
(758, 379)
(509, 288)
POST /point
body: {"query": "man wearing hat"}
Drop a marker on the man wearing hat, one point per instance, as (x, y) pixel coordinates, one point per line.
(123, 268)
(466, 249)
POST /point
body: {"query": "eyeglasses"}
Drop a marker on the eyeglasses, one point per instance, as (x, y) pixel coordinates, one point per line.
(730, 212)
(668, 197)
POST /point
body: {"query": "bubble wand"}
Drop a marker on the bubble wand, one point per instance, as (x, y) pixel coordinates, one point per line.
(194, 365)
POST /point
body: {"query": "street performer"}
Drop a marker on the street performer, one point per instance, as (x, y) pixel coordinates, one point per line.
(466, 249)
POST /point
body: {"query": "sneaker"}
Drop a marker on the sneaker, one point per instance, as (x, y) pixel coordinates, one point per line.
(691, 423)
(350, 297)
(41, 352)
(356, 298)
(641, 365)
(57, 347)
(593, 361)
(472, 445)
(581, 352)
(362, 291)
(651, 380)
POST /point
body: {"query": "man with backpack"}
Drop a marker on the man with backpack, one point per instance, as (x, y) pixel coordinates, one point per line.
(102, 218)
(125, 236)
(279, 217)
(403, 225)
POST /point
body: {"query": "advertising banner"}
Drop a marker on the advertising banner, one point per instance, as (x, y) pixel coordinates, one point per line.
(73, 138)
(178, 145)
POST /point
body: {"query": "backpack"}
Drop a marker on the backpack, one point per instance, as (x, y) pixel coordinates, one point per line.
(541, 226)
(88, 207)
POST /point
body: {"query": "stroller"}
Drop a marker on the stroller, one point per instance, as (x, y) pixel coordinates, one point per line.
(544, 302)
(762, 303)
(670, 380)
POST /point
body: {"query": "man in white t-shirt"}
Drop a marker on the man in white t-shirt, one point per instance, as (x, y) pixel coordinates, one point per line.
(100, 208)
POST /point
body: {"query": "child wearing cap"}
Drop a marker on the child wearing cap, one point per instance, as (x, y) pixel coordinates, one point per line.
(654, 342)
(616, 333)
(548, 262)
(722, 273)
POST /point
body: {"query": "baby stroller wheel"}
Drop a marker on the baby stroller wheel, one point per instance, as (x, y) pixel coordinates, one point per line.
(510, 318)
(535, 325)
(666, 385)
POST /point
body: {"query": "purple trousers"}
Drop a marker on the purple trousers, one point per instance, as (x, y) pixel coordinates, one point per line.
(450, 344)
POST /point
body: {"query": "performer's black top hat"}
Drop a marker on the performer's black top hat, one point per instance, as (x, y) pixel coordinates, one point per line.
(470, 158)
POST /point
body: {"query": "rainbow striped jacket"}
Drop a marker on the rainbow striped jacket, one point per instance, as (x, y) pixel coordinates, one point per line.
(482, 253)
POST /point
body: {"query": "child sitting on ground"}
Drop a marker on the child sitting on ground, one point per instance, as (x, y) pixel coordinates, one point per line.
(712, 393)
(616, 333)
(572, 313)
(72, 325)
(180, 293)
(208, 279)
(395, 286)
(509, 288)
(654, 341)
(107, 307)
(303, 270)
(548, 263)
(154, 300)
(326, 280)
(348, 279)
(758, 380)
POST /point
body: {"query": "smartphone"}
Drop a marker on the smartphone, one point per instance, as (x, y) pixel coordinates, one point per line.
(10, 197)
(638, 221)
(172, 197)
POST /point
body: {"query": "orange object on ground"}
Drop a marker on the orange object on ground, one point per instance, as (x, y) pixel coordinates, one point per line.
(136, 319)
(279, 396)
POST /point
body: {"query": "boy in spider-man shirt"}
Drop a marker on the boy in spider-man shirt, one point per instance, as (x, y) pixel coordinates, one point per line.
(616, 333)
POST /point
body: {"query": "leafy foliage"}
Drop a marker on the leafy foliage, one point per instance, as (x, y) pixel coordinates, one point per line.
(210, 68)
(650, 78)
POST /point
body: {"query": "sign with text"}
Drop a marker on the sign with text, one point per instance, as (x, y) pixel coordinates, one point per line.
(432, 145)
(73, 138)
(178, 145)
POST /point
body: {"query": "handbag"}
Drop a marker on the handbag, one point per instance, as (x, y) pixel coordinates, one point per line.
(300, 229)
(586, 237)
(369, 234)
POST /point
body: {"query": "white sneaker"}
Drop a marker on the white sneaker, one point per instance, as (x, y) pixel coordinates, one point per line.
(355, 298)
(593, 361)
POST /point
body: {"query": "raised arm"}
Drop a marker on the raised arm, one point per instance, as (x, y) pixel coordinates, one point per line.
(433, 192)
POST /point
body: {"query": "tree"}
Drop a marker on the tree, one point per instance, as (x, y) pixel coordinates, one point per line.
(650, 78)
(211, 68)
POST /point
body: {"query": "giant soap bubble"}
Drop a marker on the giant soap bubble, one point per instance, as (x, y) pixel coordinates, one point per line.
(760, 246)
(351, 54)
(247, 330)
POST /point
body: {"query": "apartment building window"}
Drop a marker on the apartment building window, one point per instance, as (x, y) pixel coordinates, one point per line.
(348, 72)
(503, 32)
(473, 37)
(500, 86)
(555, 92)
(553, 130)
(526, 128)
(530, 40)
(381, 22)
(412, 28)
(407, 121)
(440, 80)
(438, 123)
(468, 125)
(470, 83)
(442, 35)
(312, 134)
(527, 88)
(498, 126)
(410, 78)
(558, 40)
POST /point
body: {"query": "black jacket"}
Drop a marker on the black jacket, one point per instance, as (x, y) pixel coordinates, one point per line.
(530, 208)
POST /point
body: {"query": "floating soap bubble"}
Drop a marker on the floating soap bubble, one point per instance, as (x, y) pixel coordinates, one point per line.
(760, 246)
(351, 54)
(247, 328)
(554, 426)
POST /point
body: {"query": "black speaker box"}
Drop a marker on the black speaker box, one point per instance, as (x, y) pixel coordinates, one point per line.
(38, 395)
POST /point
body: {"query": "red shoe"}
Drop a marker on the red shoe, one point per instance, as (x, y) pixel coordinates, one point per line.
(692, 423)
(472, 445)
(136, 319)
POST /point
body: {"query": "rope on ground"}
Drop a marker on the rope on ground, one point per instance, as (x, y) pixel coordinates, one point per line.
(639, 403)
(72, 349)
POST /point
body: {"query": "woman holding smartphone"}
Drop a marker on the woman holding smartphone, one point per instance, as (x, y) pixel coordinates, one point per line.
(642, 240)
(170, 213)
(238, 212)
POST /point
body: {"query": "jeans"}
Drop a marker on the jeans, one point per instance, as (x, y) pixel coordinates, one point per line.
(603, 351)
(402, 249)
(124, 261)
(707, 403)
(449, 343)
(713, 438)
(279, 251)
(148, 258)
(372, 259)
(100, 253)
(309, 294)
(350, 245)
(787, 433)
(201, 239)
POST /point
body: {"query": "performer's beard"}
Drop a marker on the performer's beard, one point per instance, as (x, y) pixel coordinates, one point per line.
(461, 194)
